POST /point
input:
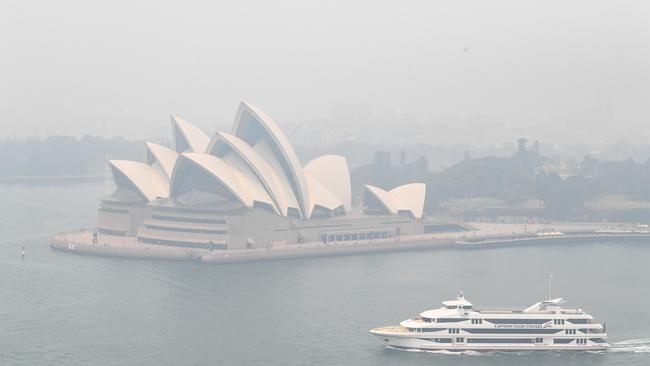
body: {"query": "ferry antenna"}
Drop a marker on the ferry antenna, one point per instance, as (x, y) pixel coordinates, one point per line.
(550, 286)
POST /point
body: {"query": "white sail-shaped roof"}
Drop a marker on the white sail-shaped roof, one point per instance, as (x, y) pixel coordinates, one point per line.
(188, 138)
(223, 174)
(252, 183)
(408, 197)
(141, 177)
(253, 125)
(332, 172)
(253, 167)
(383, 197)
(322, 196)
(262, 148)
(162, 159)
(223, 143)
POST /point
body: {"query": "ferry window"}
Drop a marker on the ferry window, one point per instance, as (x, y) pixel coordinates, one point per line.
(499, 340)
(431, 329)
(377, 235)
(330, 238)
(384, 234)
(450, 320)
(579, 321)
(562, 340)
(339, 237)
(362, 236)
(355, 236)
(346, 237)
(517, 321)
(323, 238)
(539, 340)
(460, 340)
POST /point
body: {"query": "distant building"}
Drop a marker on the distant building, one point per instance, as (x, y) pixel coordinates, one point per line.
(564, 168)
(247, 190)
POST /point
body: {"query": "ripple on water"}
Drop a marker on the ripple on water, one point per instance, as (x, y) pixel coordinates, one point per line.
(632, 345)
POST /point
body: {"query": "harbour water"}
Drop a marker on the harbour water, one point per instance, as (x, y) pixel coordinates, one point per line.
(62, 309)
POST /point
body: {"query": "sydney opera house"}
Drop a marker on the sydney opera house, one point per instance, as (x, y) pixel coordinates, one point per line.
(248, 190)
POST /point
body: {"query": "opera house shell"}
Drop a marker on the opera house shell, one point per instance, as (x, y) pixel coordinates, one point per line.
(247, 189)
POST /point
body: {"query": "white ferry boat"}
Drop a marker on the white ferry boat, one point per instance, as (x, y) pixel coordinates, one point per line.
(458, 326)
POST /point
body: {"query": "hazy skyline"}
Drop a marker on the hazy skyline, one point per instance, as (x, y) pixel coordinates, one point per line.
(562, 71)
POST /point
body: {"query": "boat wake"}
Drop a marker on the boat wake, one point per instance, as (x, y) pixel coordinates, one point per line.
(632, 345)
(443, 352)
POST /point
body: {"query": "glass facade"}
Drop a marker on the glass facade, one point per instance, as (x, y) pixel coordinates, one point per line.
(114, 210)
(354, 236)
(189, 219)
(185, 230)
(184, 244)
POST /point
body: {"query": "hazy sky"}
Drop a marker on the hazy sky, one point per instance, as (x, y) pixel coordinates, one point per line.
(121, 67)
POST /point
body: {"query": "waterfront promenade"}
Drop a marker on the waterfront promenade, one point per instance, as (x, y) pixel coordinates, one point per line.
(82, 242)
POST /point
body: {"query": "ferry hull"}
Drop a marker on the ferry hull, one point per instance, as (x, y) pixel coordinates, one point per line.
(413, 343)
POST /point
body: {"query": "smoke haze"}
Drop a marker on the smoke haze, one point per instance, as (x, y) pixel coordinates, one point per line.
(472, 72)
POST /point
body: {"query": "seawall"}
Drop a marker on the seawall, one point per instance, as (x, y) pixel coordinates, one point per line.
(81, 242)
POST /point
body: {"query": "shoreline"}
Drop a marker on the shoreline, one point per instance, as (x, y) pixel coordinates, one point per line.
(500, 242)
(125, 248)
(80, 242)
